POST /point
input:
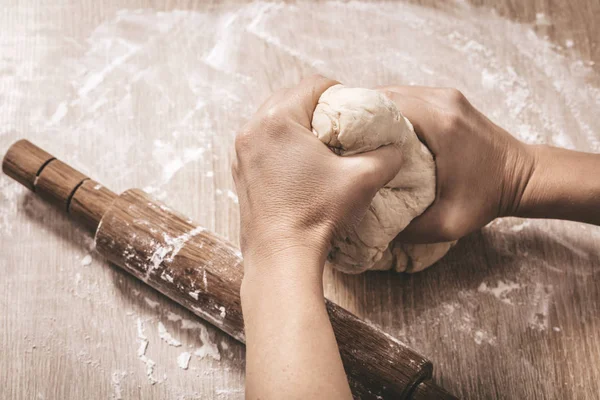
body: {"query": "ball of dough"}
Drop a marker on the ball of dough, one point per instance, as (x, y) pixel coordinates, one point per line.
(356, 120)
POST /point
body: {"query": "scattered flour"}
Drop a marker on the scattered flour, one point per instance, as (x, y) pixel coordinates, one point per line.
(232, 196)
(87, 260)
(59, 114)
(151, 303)
(208, 348)
(171, 316)
(116, 379)
(501, 291)
(184, 360)
(520, 226)
(539, 313)
(548, 96)
(166, 251)
(142, 352)
(190, 324)
(166, 336)
(542, 19)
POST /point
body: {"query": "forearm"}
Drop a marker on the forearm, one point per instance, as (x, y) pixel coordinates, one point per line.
(564, 184)
(291, 349)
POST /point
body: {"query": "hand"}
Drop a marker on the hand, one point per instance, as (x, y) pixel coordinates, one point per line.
(481, 170)
(293, 191)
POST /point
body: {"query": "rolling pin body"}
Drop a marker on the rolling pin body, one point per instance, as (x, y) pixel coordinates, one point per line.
(203, 272)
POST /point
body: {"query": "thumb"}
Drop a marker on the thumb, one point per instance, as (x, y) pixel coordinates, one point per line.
(374, 169)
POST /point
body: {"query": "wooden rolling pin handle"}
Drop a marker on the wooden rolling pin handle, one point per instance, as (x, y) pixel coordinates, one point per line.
(56, 182)
(203, 272)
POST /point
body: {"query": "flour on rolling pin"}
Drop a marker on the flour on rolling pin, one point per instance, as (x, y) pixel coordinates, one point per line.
(146, 237)
(151, 241)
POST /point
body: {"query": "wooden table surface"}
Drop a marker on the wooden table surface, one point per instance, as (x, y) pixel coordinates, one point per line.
(150, 93)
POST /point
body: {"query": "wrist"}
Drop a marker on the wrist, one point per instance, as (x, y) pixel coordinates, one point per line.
(295, 261)
(260, 246)
(563, 185)
(286, 271)
(533, 190)
(520, 168)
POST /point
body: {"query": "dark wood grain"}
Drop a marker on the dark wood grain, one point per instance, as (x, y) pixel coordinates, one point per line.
(57, 182)
(203, 273)
(24, 161)
(89, 203)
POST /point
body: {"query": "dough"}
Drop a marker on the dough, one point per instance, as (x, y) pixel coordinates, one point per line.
(356, 120)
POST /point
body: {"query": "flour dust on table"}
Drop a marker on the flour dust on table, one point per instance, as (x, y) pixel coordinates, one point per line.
(152, 97)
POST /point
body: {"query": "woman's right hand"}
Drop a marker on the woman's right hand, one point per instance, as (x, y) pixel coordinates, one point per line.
(481, 170)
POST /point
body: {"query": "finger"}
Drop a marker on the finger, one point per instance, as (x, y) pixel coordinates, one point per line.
(374, 169)
(430, 94)
(303, 98)
(446, 99)
(421, 114)
(425, 228)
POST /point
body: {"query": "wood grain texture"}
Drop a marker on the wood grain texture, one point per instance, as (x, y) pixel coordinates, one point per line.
(24, 161)
(204, 273)
(512, 312)
(89, 204)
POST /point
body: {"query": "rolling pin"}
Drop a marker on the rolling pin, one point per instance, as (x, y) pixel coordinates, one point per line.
(203, 272)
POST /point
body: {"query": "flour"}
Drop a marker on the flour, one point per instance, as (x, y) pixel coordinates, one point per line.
(190, 79)
(539, 313)
(153, 304)
(542, 19)
(166, 251)
(183, 361)
(141, 352)
(116, 379)
(501, 291)
(208, 348)
(232, 196)
(166, 336)
(87, 260)
(59, 114)
(471, 46)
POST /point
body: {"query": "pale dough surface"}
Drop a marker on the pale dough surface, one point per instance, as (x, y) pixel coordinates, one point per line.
(356, 120)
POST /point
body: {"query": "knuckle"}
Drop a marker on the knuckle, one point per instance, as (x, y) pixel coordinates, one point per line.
(273, 119)
(278, 95)
(272, 113)
(448, 228)
(243, 140)
(388, 92)
(451, 122)
(445, 232)
(454, 96)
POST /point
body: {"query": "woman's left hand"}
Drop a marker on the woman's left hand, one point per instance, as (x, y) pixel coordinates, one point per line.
(293, 191)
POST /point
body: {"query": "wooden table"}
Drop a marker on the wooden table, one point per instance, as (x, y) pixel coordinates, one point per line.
(151, 94)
